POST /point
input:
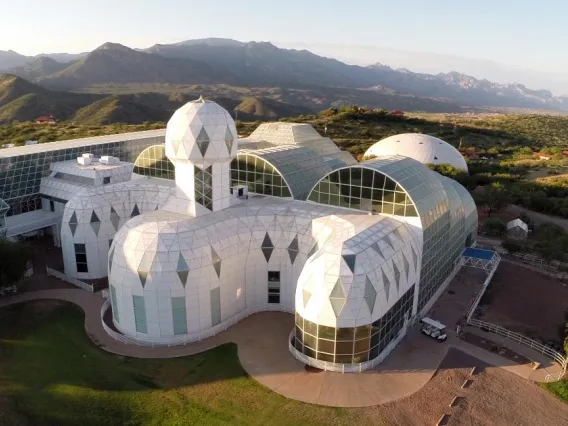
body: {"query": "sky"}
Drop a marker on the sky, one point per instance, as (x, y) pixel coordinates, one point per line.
(526, 33)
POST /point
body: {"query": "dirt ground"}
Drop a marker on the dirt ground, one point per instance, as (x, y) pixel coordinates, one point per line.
(525, 301)
(494, 397)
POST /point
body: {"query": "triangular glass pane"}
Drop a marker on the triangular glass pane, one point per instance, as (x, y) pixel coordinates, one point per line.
(350, 260)
(396, 275)
(414, 258)
(386, 284)
(369, 288)
(294, 244)
(337, 305)
(143, 275)
(182, 264)
(96, 226)
(183, 276)
(267, 242)
(388, 242)
(307, 296)
(338, 291)
(267, 253)
(377, 249)
(406, 265)
(175, 144)
(94, 217)
(73, 227)
(370, 300)
(73, 218)
(313, 250)
(216, 262)
(229, 140)
(135, 211)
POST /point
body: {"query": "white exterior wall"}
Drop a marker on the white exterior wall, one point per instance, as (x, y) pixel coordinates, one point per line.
(237, 235)
(122, 198)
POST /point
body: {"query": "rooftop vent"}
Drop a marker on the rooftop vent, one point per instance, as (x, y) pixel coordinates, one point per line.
(84, 161)
(108, 159)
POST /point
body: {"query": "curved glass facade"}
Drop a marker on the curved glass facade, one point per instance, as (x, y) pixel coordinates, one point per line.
(259, 175)
(154, 163)
(357, 344)
(364, 189)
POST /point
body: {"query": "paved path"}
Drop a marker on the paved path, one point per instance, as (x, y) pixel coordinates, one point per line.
(263, 353)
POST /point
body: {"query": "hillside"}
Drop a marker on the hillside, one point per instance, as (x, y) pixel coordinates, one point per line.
(39, 67)
(113, 67)
(113, 63)
(24, 101)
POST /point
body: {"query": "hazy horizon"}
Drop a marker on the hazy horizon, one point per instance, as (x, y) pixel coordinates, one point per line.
(486, 39)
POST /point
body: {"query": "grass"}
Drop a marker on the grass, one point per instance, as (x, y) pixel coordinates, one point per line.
(560, 389)
(54, 375)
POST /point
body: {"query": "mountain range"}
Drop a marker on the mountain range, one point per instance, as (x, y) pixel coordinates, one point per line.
(277, 79)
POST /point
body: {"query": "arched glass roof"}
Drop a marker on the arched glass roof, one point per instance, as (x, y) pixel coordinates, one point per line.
(299, 168)
(153, 162)
(392, 185)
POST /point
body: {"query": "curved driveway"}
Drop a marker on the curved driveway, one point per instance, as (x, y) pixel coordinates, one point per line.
(262, 341)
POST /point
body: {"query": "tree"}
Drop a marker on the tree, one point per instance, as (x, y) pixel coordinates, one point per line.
(494, 197)
(494, 227)
(14, 258)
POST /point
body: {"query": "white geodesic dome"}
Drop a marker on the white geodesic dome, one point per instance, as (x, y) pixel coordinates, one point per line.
(423, 148)
(201, 132)
(351, 282)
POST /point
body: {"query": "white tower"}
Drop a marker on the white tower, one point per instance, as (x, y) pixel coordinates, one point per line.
(201, 141)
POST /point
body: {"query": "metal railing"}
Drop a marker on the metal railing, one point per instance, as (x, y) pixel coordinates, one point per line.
(186, 339)
(345, 368)
(70, 280)
(519, 338)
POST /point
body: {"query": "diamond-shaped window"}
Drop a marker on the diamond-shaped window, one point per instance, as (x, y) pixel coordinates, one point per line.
(229, 138)
(216, 262)
(73, 223)
(135, 211)
(386, 284)
(202, 141)
(293, 249)
(337, 297)
(338, 291)
(370, 294)
(396, 275)
(267, 247)
(95, 223)
(182, 269)
(414, 258)
(406, 265)
(114, 218)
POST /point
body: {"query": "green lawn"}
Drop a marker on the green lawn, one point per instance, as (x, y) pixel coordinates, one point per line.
(54, 375)
(560, 389)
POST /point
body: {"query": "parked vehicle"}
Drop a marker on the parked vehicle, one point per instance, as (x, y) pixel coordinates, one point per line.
(434, 329)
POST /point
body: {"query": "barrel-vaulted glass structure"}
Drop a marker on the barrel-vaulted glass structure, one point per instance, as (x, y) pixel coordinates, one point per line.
(403, 187)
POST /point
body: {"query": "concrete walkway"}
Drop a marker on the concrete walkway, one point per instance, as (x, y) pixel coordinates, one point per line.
(262, 341)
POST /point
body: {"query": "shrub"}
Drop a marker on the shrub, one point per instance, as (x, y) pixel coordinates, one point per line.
(494, 227)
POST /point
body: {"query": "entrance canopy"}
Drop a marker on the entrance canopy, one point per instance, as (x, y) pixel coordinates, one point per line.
(487, 260)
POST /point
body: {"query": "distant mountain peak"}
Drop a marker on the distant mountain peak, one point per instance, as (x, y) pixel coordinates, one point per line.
(113, 47)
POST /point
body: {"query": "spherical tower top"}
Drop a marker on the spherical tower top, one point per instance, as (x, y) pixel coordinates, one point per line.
(424, 148)
(201, 132)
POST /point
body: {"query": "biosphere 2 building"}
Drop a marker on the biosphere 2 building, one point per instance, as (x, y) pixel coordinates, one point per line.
(282, 220)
